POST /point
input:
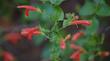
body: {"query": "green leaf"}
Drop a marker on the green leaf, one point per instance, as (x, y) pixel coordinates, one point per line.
(38, 39)
(47, 12)
(33, 15)
(55, 37)
(44, 30)
(89, 8)
(102, 2)
(104, 10)
(46, 53)
(91, 57)
(91, 44)
(97, 1)
(55, 52)
(87, 57)
(53, 13)
(70, 15)
(67, 51)
(44, 0)
(93, 27)
(70, 18)
(66, 23)
(59, 13)
(22, 1)
(84, 57)
(56, 2)
(82, 41)
(50, 15)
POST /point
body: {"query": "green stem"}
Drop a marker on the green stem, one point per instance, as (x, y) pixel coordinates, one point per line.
(44, 33)
(54, 26)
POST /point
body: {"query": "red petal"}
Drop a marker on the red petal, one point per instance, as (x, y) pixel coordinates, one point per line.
(28, 32)
(36, 32)
(62, 44)
(13, 37)
(25, 31)
(73, 46)
(30, 37)
(26, 12)
(8, 56)
(27, 7)
(75, 55)
(83, 22)
(77, 35)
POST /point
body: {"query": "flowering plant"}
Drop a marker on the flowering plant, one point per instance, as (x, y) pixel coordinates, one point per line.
(61, 42)
(79, 44)
(64, 45)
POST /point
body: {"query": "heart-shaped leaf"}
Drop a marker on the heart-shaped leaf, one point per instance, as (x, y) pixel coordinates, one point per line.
(104, 10)
(89, 8)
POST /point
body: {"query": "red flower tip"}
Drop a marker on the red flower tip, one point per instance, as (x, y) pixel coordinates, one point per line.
(29, 32)
(27, 12)
(68, 37)
(13, 37)
(104, 53)
(25, 31)
(8, 56)
(77, 35)
(73, 46)
(83, 22)
(76, 56)
(62, 44)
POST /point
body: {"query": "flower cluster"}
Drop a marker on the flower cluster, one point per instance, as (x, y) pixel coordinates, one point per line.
(75, 55)
(29, 32)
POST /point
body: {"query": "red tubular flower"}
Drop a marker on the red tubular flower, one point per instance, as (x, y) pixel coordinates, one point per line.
(77, 35)
(29, 8)
(103, 54)
(73, 46)
(29, 32)
(62, 44)
(8, 56)
(83, 22)
(76, 56)
(13, 37)
(27, 12)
